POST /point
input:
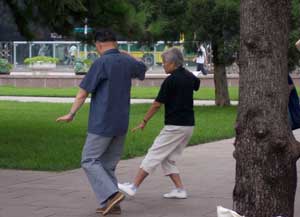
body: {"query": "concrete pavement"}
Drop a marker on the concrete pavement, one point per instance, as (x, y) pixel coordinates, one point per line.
(71, 100)
(208, 172)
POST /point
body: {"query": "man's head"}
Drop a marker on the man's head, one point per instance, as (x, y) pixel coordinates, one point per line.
(172, 59)
(105, 39)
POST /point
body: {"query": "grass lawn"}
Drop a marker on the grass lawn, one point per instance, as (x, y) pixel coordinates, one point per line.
(204, 93)
(31, 139)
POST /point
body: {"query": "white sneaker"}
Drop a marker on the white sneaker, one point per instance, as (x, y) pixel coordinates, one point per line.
(127, 188)
(197, 73)
(176, 193)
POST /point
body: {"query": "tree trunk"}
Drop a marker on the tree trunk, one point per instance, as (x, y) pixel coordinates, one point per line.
(220, 79)
(265, 148)
(221, 87)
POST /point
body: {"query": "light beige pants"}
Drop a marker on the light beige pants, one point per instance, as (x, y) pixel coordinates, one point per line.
(167, 148)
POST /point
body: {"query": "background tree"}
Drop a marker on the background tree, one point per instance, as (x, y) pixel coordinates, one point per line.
(265, 148)
(119, 15)
(215, 21)
(163, 18)
(57, 16)
(62, 16)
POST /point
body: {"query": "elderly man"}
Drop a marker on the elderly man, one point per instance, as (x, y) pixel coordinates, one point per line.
(176, 93)
(109, 82)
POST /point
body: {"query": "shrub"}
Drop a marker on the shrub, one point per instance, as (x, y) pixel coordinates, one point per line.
(82, 65)
(41, 59)
(5, 66)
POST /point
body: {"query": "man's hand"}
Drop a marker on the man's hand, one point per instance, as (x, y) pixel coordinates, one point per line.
(66, 118)
(79, 100)
(140, 126)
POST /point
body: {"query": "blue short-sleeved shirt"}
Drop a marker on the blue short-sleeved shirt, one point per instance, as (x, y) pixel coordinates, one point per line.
(109, 82)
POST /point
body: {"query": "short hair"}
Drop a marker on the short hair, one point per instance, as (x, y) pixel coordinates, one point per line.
(173, 55)
(105, 35)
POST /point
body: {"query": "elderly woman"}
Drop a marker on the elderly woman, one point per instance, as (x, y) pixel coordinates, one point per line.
(176, 93)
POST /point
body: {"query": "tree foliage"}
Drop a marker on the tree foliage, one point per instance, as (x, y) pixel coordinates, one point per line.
(216, 21)
(163, 19)
(62, 16)
(58, 16)
(119, 15)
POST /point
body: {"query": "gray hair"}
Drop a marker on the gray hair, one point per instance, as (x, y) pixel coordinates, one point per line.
(173, 55)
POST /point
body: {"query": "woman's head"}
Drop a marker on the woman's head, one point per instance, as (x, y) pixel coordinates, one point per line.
(172, 59)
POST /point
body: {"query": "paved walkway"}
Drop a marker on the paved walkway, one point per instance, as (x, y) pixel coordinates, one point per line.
(71, 100)
(207, 170)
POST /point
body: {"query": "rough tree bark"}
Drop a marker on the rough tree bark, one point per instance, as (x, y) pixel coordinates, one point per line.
(220, 79)
(265, 148)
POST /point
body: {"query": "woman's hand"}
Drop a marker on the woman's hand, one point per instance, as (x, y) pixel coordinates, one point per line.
(140, 126)
(152, 110)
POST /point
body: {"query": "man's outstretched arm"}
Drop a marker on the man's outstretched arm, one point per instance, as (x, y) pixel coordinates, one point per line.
(79, 101)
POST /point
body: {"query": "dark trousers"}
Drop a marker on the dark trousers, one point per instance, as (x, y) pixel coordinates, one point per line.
(200, 67)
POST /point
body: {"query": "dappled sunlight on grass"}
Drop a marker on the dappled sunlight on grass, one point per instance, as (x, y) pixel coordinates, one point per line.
(31, 139)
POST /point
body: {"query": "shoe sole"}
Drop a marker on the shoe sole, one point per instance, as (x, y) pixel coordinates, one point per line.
(111, 212)
(106, 211)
